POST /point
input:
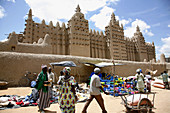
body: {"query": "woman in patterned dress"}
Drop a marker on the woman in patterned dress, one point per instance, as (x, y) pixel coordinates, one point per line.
(67, 98)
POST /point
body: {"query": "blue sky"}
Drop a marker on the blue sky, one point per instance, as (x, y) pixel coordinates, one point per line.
(152, 16)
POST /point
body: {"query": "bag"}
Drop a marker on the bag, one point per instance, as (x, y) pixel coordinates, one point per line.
(33, 84)
(36, 85)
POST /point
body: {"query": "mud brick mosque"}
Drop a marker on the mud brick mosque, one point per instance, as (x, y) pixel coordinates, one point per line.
(78, 40)
(42, 44)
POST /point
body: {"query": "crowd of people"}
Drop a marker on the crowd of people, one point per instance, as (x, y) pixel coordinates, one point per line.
(144, 81)
(67, 96)
(67, 85)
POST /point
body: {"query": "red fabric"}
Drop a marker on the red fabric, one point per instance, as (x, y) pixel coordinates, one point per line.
(19, 103)
(35, 104)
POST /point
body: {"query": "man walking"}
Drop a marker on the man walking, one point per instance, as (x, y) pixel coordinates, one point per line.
(95, 87)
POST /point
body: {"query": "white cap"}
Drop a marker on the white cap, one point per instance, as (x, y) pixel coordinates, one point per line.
(138, 70)
(96, 70)
(43, 66)
(49, 68)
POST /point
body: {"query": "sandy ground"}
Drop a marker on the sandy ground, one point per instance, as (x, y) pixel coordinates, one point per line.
(112, 104)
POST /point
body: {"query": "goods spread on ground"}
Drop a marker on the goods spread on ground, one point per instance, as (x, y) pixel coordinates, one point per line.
(117, 86)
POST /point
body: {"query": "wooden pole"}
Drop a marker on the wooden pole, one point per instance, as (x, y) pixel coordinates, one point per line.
(113, 77)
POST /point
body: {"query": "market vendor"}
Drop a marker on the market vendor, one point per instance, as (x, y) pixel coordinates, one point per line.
(140, 80)
(43, 88)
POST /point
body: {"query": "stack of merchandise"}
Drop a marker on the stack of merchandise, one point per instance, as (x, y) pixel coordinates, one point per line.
(119, 86)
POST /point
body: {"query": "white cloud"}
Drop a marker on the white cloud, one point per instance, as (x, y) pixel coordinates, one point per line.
(165, 48)
(113, 1)
(11, 1)
(2, 12)
(117, 17)
(125, 22)
(149, 33)
(54, 10)
(144, 28)
(169, 25)
(102, 19)
(3, 40)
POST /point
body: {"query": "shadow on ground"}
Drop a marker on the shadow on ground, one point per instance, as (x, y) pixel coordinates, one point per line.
(124, 111)
(48, 111)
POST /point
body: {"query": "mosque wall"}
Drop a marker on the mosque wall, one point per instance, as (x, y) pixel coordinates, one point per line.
(12, 45)
(14, 65)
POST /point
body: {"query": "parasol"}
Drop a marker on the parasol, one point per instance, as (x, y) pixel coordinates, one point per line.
(102, 64)
(64, 64)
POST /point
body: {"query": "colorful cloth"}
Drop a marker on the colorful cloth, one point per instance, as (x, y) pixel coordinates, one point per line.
(67, 99)
(68, 110)
(108, 77)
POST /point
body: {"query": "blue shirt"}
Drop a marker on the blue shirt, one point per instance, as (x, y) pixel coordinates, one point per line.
(100, 75)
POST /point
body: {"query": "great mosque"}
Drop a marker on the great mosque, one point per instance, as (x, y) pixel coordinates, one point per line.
(78, 40)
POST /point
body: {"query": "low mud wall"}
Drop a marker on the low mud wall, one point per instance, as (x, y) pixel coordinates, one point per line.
(13, 66)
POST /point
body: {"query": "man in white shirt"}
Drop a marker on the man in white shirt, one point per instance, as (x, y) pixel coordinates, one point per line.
(95, 87)
(51, 79)
(51, 76)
